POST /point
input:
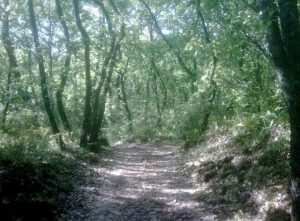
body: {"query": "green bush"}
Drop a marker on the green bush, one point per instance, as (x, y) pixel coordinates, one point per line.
(33, 182)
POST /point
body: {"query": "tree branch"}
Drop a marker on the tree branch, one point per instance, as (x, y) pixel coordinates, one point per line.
(177, 54)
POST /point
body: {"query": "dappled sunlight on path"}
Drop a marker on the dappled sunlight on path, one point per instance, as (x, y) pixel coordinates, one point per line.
(142, 182)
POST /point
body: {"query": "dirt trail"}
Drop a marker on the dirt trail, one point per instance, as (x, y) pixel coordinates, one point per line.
(141, 183)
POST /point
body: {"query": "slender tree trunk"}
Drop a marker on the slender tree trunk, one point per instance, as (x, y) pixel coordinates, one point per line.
(86, 125)
(158, 108)
(104, 84)
(205, 120)
(64, 75)
(97, 100)
(161, 107)
(101, 101)
(50, 59)
(96, 126)
(13, 65)
(213, 85)
(283, 35)
(6, 107)
(31, 75)
(180, 60)
(118, 89)
(43, 77)
(147, 100)
(259, 84)
(124, 98)
(156, 74)
(110, 62)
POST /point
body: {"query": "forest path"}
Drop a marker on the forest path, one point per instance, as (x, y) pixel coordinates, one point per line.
(142, 182)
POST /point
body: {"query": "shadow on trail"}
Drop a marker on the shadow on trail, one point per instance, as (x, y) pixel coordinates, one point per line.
(143, 209)
(146, 182)
(142, 182)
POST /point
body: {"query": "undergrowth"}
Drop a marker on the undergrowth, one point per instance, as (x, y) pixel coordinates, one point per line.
(244, 169)
(36, 177)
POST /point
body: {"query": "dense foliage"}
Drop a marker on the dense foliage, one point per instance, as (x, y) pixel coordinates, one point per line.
(84, 73)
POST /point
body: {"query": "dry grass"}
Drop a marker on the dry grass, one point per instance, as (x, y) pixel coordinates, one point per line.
(241, 180)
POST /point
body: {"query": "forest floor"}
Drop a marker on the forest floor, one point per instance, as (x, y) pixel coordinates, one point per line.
(140, 182)
(154, 181)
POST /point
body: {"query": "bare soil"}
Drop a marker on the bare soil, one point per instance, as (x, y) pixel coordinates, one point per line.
(140, 182)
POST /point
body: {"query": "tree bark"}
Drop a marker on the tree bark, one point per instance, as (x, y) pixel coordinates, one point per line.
(156, 74)
(100, 108)
(12, 60)
(43, 76)
(283, 37)
(157, 98)
(160, 108)
(101, 101)
(64, 75)
(100, 97)
(86, 125)
(213, 85)
(103, 84)
(122, 96)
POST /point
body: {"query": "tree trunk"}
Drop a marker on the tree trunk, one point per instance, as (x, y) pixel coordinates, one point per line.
(156, 74)
(43, 77)
(86, 125)
(259, 84)
(158, 107)
(64, 75)
(104, 84)
(283, 36)
(147, 100)
(213, 85)
(13, 65)
(124, 98)
(180, 60)
(36, 101)
(101, 101)
(6, 107)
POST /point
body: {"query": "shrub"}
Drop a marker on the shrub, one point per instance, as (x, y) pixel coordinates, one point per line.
(34, 182)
